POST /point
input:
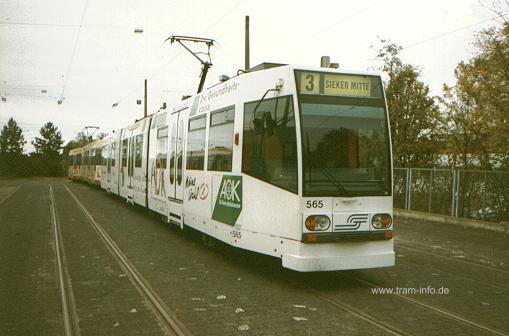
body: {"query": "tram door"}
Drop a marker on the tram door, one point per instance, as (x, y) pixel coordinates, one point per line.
(115, 162)
(125, 182)
(130, 168)
(109, 155)
(175, 156)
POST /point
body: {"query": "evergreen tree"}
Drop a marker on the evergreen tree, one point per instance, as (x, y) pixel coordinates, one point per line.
(11, 148)
(48, 148)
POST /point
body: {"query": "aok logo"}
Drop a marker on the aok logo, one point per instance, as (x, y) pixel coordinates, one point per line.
(229, 191)
(228, 204)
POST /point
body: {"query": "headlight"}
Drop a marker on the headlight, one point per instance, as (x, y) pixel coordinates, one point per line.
(317, 223)
(381, 221)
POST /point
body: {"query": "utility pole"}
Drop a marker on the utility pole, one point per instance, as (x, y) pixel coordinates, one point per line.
(246, 49)
(145, 100)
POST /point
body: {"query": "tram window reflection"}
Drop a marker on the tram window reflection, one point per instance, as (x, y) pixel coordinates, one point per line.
(221, 140)
(269, 150)
(196, 143)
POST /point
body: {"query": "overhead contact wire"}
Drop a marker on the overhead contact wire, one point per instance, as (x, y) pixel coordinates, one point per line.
(74, 49)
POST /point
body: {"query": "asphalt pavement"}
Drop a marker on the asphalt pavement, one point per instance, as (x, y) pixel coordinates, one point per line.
(448, 280)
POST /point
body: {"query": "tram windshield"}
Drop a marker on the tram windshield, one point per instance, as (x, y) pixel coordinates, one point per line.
(345, 142)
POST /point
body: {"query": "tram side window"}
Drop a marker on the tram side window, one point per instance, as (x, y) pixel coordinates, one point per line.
(97, 157)
(269, 150)
(113, 153)
(221, 140)
(196, 143)
(180, 150)
(78, 160)
(124, 153)
(131, 154)
(162, 147)
(138, 151)
(172, 153)
(104, 154)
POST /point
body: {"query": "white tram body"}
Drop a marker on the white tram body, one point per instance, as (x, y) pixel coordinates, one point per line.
(288, 161)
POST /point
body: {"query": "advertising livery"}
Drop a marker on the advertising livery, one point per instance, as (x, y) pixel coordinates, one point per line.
(289, 161)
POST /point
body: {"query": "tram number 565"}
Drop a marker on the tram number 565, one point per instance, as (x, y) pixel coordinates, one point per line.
(314, 204)
(236, 234)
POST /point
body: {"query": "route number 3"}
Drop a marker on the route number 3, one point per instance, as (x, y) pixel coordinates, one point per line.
(314, 204)
(310, 83)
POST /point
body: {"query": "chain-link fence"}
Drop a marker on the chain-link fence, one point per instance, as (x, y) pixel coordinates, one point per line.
(459, 193)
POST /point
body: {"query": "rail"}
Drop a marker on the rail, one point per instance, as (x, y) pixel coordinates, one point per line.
(170, 323)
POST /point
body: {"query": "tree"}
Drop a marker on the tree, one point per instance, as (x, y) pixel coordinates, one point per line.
(466, 129)
(48, 147)
(485, 80)
(414, 115)
(11, 148)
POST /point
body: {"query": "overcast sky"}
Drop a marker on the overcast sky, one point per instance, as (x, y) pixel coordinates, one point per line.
(87, 51)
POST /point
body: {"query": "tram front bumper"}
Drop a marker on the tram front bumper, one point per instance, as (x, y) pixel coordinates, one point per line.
(340, 256)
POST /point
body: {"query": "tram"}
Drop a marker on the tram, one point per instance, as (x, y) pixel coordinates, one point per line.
(289, 161)
(75, 163)
(85, 163)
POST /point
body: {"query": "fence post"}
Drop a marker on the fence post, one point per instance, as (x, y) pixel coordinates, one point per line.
(406, 189)
(457, 192)
(430, 189)
(409, 188)
(484, 196)
(453, 192)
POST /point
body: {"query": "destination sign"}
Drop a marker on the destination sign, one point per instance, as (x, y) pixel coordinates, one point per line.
(316, 83)
(344, 85)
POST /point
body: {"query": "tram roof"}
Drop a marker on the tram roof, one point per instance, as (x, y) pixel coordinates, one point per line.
(271, 65)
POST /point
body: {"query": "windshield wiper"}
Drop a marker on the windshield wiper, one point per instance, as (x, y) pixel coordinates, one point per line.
(335, 182)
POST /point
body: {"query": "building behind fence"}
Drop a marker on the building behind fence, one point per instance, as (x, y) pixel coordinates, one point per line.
(472, 194)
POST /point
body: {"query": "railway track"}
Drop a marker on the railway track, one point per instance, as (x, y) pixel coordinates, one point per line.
(406, 245)
(432, 308)
(385, 327)
(69, 316)
(9, 194)
(167, 318)
(462, 275)
(380, 323)
(360, 314)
